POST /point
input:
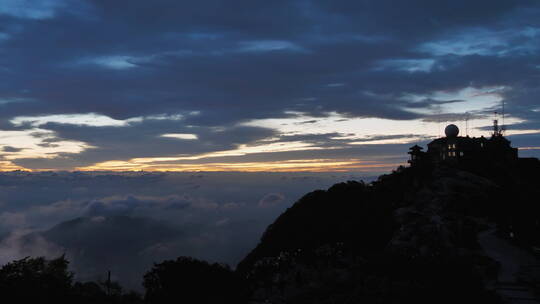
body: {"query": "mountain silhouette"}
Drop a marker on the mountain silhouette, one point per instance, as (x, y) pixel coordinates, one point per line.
(116, 243)
(415, 235)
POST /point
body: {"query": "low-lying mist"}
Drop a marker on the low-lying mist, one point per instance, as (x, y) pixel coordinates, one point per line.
(124, 222)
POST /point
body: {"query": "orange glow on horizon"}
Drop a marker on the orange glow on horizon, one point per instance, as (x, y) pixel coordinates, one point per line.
(315, 165)
(9, 166)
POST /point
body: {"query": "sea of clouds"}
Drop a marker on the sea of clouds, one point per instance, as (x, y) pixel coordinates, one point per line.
(125, 222)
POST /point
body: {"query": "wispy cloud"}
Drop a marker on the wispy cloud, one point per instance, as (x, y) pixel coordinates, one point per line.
(90, 119)
(31, 9)
(269, 46)
(406, 65)
(486, 42)
(181, 136)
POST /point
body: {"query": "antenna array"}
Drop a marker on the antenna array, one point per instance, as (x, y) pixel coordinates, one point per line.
(499, 130)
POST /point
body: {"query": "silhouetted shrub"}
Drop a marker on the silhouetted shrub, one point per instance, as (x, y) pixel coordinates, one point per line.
(36, 280)
(102, 292)
(189, 280)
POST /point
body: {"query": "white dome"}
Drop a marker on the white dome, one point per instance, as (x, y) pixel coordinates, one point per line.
(451, 131)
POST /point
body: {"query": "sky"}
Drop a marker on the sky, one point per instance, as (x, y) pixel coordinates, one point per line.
(248, 85)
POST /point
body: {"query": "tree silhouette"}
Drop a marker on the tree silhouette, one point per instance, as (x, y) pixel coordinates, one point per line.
(36, 279)
(189, 280)
(99, 292)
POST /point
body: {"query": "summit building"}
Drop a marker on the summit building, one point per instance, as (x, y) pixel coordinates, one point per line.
(455, 148)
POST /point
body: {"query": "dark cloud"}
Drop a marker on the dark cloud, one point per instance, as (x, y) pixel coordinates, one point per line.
(11, 149)
(211, 72)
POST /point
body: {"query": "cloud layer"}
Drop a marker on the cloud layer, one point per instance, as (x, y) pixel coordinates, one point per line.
(84, 82)
(125, 222)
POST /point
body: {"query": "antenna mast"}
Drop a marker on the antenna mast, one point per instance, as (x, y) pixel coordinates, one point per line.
(467, 124)
(439, 120)
(496, 129)
(503, 127)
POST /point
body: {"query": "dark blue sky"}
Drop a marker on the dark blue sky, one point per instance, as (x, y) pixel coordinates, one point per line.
(258, 85)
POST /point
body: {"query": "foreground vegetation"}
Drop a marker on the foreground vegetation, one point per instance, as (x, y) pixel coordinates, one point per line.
(184, 280)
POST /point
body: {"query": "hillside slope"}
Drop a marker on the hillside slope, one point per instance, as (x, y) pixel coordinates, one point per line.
(410, 236)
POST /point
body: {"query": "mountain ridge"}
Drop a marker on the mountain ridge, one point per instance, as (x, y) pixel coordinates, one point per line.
(416, 228)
